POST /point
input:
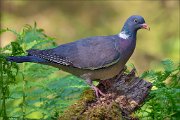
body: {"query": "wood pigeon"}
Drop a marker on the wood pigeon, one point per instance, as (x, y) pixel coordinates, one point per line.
(92, 58)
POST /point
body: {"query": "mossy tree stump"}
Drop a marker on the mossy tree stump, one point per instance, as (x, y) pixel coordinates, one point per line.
(124, 94)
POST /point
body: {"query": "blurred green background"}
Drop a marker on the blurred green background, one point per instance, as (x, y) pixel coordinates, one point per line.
(68, 21)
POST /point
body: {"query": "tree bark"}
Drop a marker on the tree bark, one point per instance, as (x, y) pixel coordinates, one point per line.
(124, 94)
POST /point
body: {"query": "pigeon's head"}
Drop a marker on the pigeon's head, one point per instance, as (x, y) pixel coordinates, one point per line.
(135, 23)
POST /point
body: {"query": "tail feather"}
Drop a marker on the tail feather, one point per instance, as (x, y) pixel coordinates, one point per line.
(21, 59)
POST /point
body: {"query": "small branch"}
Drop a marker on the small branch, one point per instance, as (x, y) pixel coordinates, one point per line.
(124, 94)
(129, 91)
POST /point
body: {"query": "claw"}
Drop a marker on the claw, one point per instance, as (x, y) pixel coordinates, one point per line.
(97, 91)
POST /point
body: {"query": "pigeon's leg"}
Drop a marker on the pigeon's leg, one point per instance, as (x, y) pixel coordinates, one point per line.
(96, 89)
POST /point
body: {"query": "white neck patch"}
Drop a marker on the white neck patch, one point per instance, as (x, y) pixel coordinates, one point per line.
(123, 35)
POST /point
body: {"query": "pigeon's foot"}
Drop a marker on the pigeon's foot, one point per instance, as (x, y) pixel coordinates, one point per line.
(97, 91)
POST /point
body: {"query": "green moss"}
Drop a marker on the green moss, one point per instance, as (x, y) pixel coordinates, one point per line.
(99, 111)
(88, 96)
(103, 111)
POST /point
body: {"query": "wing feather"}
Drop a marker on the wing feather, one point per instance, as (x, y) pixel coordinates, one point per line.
(89, 53)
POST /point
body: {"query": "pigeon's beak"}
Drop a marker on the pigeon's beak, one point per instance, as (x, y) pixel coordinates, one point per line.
(145, 26)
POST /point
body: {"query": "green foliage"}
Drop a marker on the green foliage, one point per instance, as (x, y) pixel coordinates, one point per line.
(164, 100)
(29, 90)
(8, 71)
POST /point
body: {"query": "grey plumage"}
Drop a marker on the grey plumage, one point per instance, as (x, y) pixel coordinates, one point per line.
(89, 53)
(93, 58)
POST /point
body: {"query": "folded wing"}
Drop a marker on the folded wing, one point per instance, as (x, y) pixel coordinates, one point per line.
(89, 53)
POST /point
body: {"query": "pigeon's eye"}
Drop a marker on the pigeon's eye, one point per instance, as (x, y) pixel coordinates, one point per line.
(135, 20)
